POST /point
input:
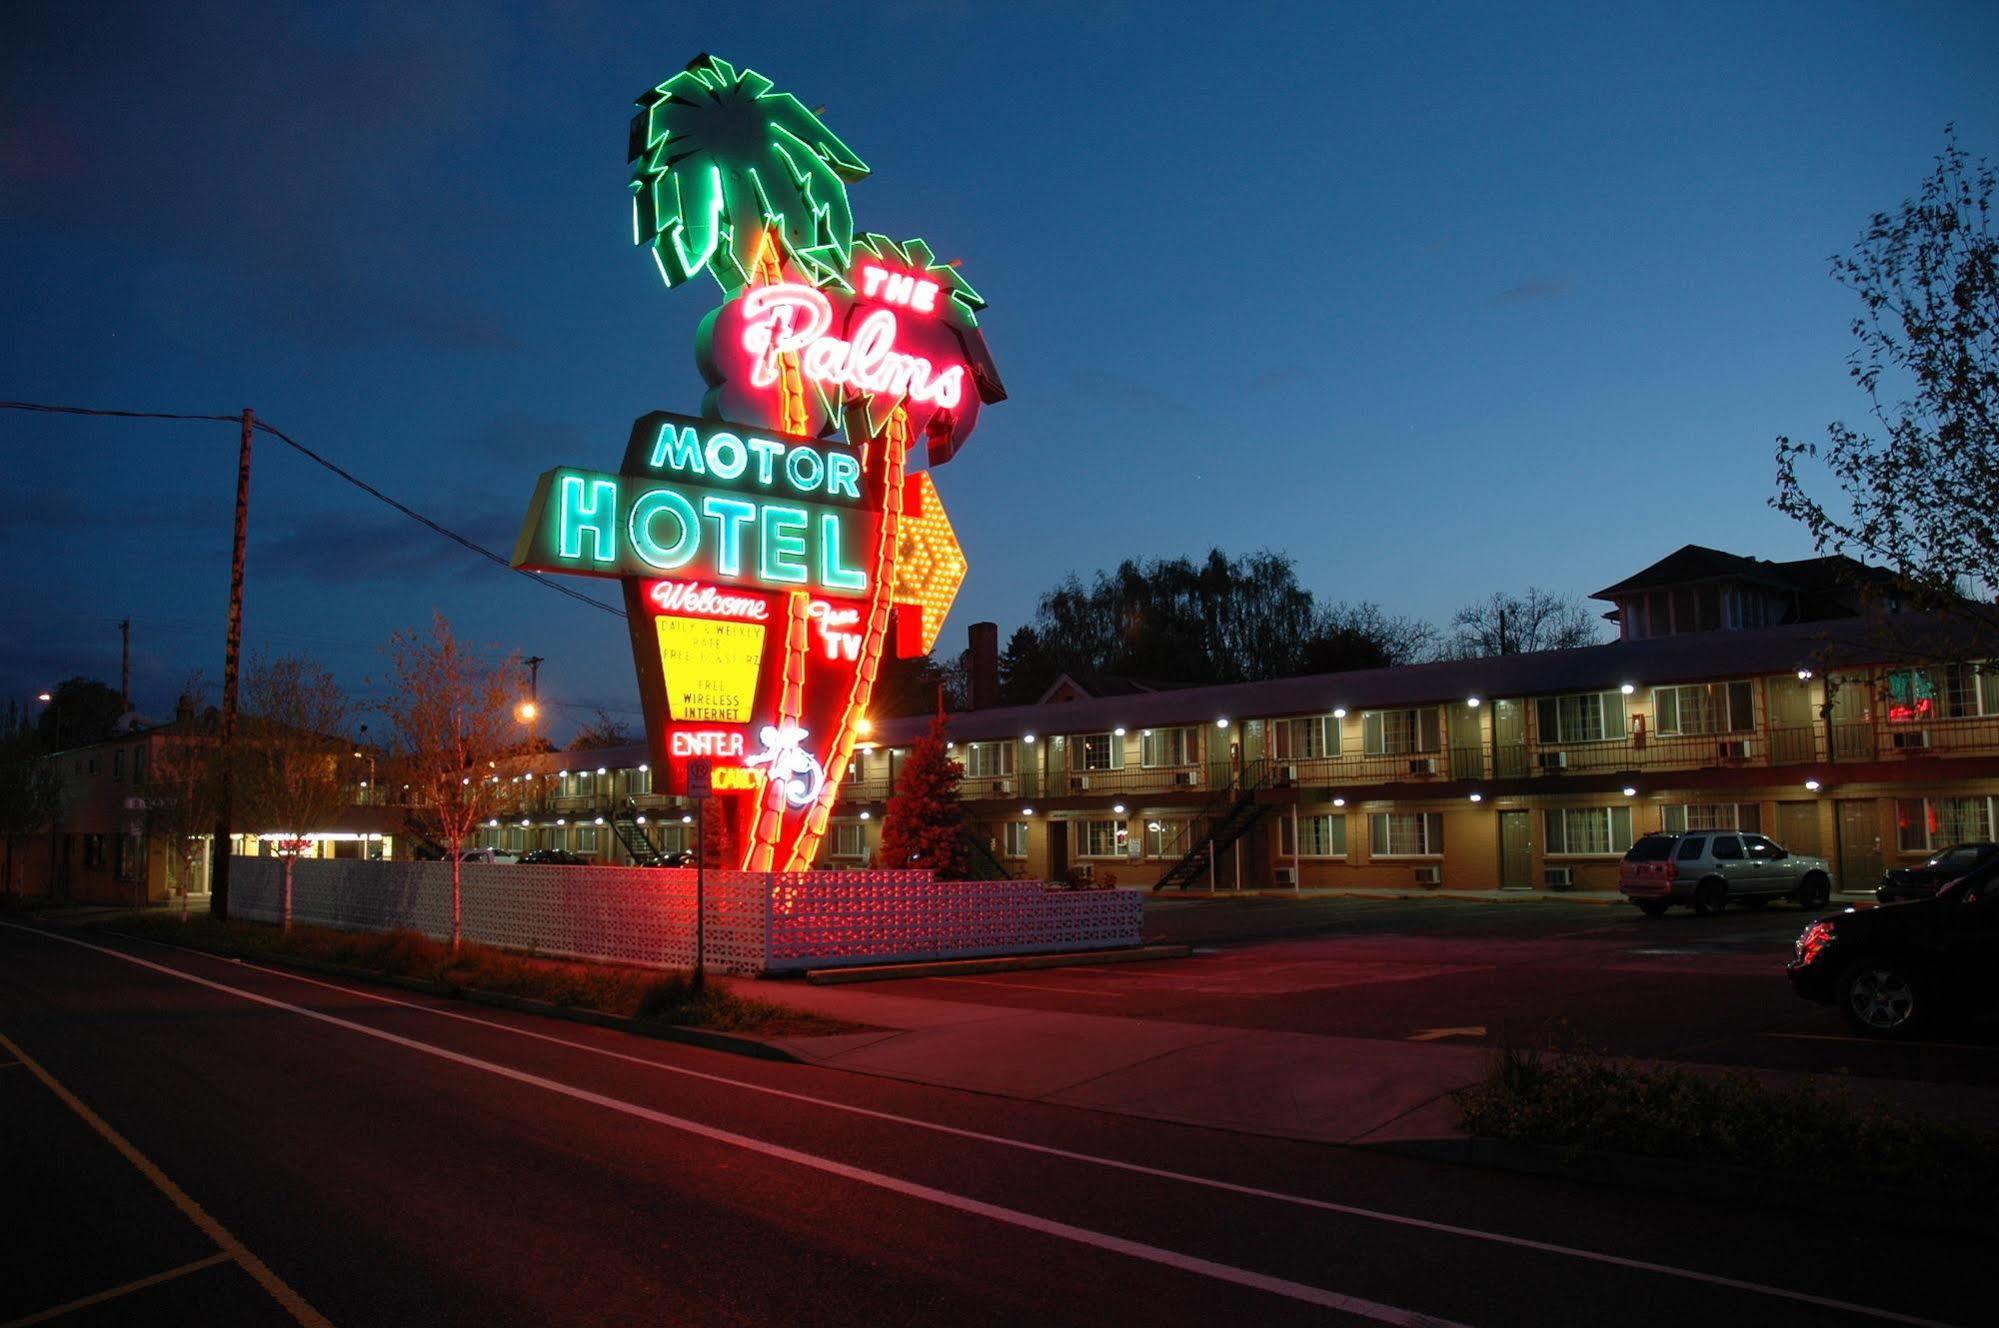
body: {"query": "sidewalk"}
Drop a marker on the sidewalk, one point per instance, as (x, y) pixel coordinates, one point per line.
(1341, 1090)
(1411, 892)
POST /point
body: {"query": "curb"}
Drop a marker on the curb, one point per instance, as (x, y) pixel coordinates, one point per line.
(1705, 1180)
(734, 1043)
(820, 977)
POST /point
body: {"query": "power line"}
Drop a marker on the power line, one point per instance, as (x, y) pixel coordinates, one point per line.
(44, 408)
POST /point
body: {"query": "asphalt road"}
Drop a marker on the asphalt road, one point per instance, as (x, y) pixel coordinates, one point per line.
(391, 1159)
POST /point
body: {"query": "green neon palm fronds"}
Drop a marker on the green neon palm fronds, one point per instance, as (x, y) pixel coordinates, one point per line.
(718, 156)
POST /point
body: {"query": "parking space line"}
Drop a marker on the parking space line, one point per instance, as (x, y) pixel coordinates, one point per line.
(289, 1300)
(85, 1302)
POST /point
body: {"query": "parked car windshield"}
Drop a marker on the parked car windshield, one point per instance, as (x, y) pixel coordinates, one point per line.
(1965, 855)
(1652, 848)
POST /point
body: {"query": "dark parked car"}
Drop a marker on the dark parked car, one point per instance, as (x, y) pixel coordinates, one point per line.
(679, 859)
(1921, 881)
(553, 857)
(1898, 969)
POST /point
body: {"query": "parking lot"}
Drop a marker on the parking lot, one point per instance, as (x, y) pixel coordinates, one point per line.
(1543, 971)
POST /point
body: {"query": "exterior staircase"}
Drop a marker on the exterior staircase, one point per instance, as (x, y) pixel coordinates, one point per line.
(979, 857)
(1228, 819)
(637, 840)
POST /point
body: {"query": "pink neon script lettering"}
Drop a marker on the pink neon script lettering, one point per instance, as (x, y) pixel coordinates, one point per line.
(787, 317)
(693, 597)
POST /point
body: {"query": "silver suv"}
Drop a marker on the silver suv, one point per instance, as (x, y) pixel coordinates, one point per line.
(1709, 869)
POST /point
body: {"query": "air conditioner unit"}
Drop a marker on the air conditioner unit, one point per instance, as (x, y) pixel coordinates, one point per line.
(1002, 787)
(1183, 778)
(1554, 760)
(1429, 876)
(1912, 740)
(1284, 876)
(1423, 765)
(1079, 783)
(1288, 773)
(1559, 878)
(1737, 750)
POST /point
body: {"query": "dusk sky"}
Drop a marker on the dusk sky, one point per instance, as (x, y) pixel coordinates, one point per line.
(1438, 299)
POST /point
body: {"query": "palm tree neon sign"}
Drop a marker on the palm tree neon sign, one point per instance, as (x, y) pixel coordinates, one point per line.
(784, 525)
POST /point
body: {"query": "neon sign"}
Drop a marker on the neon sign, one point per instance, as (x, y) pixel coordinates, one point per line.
(772, 548)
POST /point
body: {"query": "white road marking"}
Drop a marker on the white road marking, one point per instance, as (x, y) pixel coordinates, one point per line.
(140, 1284)
(1221, 1272)
(1049, 1150)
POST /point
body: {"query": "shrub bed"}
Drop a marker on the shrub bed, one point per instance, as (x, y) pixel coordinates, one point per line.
(634, 993)
(1582, 1100)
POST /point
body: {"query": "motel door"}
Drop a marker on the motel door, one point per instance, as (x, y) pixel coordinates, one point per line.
(1859, 863)
(1793, 737)
(1798, 828)
(1516, 851)
(1509, 739)
(1467, 749)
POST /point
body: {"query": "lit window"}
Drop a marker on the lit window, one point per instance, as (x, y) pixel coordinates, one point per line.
(1323, 836)
(1582, 831)
(1406, 834)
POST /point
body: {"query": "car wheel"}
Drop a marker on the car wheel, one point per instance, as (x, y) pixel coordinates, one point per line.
(1814, 890)
(1710, 896)
(1653, 908)
(1884, 997)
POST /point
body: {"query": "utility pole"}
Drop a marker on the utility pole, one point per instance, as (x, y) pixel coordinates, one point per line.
(219, 873)
(534, 676)
(125, 664)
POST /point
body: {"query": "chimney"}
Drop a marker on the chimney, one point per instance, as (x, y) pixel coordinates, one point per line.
(985, 665)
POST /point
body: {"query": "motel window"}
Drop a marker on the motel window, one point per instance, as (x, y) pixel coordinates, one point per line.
(849, 840)
(93, 852)
(1926, 824)
(118, 764)
(1317, 837)
(1164, 747)
(1166, 839)
(1719, 707)
(1406, 834)
(1305, 739)
(1585, 717)
(558, 838)
(1712, 816)
(517, 839)
(673, 837)
(131, 851)
(1097, 751)
(988, 760)
(586, 839)
(1100, 839)
(138, 765)
(638, 781)
(1398, 732)
(1582, 831)
(1013, 839)
(1949, 691)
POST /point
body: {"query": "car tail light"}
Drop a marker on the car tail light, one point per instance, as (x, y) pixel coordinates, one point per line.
(1672, 870)
(1813, 940)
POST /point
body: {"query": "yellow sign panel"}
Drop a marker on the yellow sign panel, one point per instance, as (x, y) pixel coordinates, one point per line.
(711, 668)
(735, 779)
(930, 565)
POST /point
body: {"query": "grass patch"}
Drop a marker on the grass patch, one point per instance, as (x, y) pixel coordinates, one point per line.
(1584, 1100)
(633, 993)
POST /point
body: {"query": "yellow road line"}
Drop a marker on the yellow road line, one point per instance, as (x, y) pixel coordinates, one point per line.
(288, 1299)
(86, 1302)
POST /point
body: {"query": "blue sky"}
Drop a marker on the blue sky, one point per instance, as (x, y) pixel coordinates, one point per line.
(1438, 299)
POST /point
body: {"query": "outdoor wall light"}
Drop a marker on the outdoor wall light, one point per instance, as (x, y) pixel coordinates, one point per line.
(1472, 701)
(687, 820)
(644, 766)
(1630, 792)
(561, 820)
(466, 780)
(602, 771)
(1339, 802)
(867, 816)
(1028, 738)
(1339, 712)
(562, 774)
(598, 821)
(1221, 723)
(1145, 733)
(864, 726)
(1153, 826)
(524, 824)
(640, 819)
(1628, 688)
(1117, 808)
(1118, 732)
(364, 783)
(1027, 811)
(494, 821)
(1804, 675)
(1478, 797)
(1812, 784)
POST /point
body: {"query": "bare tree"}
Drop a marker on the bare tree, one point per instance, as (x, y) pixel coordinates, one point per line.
(182, 786)
(451, 711)
(1505, 624)
(289, 744)
(1921, 494)
(603, 730)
